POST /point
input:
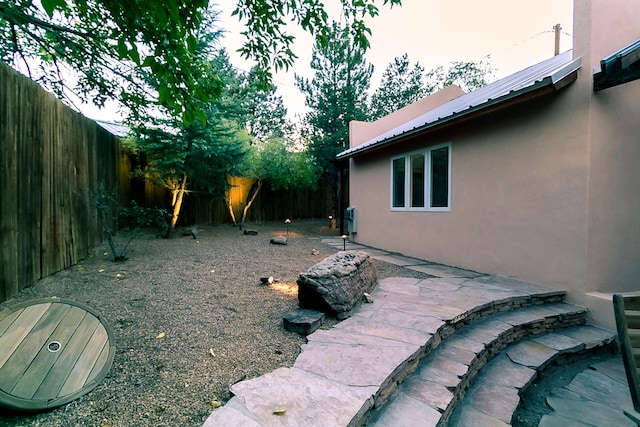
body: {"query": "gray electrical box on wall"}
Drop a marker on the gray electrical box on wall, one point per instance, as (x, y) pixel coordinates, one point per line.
(350, 220)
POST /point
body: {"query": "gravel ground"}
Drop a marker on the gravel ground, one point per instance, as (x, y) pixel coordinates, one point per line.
(220, 324)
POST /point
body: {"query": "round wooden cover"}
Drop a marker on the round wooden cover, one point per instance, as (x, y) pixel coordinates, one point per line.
(51, 352)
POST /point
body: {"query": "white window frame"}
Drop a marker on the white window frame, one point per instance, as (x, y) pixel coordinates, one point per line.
(427, 181)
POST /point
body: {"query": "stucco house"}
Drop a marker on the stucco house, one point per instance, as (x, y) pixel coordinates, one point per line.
(535, 176)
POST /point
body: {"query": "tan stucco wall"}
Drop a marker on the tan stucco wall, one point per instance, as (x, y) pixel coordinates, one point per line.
(511, 200)
(614, 158)
(548, 193)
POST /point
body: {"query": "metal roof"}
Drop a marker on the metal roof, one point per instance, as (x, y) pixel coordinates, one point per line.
(553, 72)
(115, 128)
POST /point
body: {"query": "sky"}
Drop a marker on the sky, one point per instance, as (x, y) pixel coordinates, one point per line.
(512, 34)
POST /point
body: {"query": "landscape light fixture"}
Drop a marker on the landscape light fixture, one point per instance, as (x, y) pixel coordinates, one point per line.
(344, 242)
(287, 221)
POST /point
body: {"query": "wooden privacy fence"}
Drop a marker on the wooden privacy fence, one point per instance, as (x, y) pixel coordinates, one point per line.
(269, 205)
(52, 163)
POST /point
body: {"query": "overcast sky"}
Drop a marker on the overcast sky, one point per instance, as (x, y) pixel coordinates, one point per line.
(514, 33)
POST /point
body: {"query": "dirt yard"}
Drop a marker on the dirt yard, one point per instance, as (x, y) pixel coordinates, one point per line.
(219, 323)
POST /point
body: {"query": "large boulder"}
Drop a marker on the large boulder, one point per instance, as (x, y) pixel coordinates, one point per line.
(337, 284)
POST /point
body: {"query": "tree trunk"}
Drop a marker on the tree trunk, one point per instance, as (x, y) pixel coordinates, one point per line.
(178, 196)
(233, 216)
(253, 197)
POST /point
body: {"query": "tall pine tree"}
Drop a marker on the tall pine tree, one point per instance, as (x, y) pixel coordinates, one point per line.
(336, 95)
(400, 86)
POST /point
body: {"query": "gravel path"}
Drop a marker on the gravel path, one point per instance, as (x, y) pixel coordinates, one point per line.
(190, 318)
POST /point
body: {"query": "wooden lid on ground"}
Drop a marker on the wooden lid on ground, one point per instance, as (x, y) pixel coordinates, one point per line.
(51, 352)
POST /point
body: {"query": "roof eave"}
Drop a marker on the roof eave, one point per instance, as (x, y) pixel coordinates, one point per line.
(621, 67)
(549, 84)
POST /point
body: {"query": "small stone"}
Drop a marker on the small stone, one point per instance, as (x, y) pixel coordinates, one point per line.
(191, 231)
(368, 298)
(250, 232)
(279, 240)
(303, 322)
(315, 252)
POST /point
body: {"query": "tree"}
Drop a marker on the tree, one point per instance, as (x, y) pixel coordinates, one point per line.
(468, 75)
(115, 46)
(199, 156)
(275, 163)
(269, 43)
(112, 45)
(400, 86)
(196, 157)
(336, 95)
(276, 156)
(269, 118)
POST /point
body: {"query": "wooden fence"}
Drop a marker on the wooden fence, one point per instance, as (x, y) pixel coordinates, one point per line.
(269, 205)
(52, 163)
(204, 209)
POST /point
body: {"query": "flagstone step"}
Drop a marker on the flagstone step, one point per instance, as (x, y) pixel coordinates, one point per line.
(596, 396)
(444, 375)
(494, 396)
(343, 372)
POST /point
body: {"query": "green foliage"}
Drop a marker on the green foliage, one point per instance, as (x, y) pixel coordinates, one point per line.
(138, 217)
(336, 95)
(114, 46)
(201, 156)
(269, 118)
(269, 43)
(400, 86)
(275, 163)
(141, 52)
(467, 75)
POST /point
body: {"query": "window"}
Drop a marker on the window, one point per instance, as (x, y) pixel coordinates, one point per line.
(422, 176)
(440, 177)
(398, 183)
(417, 180)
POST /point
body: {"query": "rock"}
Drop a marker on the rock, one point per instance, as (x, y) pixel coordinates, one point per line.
(336, 284)
(279, 240)
(250, 232)
(368, 298)
(315, 252)
(303, 321)
(191, 231)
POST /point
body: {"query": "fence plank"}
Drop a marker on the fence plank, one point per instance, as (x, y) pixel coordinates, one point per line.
(8, 181)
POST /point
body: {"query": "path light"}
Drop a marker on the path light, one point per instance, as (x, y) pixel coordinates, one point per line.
(287, 221)
(344, 242)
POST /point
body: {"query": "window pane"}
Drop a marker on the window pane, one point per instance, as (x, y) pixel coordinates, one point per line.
(440, 177)
(417, 181)
(398, 183)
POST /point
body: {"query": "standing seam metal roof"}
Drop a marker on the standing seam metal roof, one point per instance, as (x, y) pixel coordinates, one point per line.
(545, 73)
